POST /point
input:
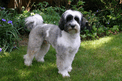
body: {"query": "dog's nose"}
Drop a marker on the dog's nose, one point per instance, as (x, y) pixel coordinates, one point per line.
(73, 25)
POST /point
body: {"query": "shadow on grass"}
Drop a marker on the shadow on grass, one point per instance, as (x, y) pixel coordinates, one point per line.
(12, 67)
(97, 60)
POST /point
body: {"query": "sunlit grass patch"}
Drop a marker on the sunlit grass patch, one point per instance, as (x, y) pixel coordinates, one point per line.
(96, 43)
(23, 73)
(101, 59)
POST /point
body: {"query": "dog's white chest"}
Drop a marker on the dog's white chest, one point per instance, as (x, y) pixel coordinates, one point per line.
(68, 41)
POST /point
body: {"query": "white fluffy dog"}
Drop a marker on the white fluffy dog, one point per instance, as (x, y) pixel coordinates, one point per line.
(65, 38)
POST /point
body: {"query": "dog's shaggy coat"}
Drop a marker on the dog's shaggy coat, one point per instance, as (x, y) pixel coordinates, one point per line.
(65, 38)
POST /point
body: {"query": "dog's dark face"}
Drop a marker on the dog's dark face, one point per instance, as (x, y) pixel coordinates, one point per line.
(71, 21)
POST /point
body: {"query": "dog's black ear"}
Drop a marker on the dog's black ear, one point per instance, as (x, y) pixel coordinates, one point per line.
(62, 22)
(84, 23)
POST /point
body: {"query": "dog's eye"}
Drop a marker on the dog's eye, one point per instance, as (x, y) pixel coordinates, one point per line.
(69, 17)
(77, 19)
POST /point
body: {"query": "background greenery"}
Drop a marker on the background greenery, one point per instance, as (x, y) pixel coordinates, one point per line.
(104, 19)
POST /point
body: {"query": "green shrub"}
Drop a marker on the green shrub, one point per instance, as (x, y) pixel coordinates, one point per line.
(105, 21)
(51, 15)
(102, 22)
(8, 32)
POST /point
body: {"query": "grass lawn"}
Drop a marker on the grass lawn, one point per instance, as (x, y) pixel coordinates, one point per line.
(97, 60)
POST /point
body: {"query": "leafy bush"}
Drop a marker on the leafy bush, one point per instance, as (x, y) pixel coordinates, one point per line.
(8, 32)
(45, 8)
(12, 24)
(102, 22)
(50, 14)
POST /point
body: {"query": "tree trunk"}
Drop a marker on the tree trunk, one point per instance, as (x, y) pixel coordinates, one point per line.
(120, 2)
(28, 3)
(19, 5)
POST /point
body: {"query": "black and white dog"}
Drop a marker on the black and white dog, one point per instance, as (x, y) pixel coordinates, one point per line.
(65, 38)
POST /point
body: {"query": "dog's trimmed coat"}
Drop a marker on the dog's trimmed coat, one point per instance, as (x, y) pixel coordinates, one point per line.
(65, 38)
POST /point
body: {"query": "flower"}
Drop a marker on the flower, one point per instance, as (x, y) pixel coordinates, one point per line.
(15, 47)
(10, 22)
(0, 49)
(3, 20)
(97, 11)
(0, 25)
(108, 22)
(2, 7)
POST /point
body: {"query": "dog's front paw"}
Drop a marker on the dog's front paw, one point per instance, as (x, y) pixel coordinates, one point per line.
(64, 73)
(27, 63)
(69, 69)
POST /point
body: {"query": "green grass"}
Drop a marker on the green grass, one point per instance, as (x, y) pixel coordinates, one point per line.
(97, 60)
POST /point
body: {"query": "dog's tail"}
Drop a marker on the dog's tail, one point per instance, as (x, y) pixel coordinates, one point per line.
(32, 21)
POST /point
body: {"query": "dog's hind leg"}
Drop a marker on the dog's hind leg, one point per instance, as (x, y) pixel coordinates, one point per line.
(33, 48)
(30, 55)
(43, 50)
